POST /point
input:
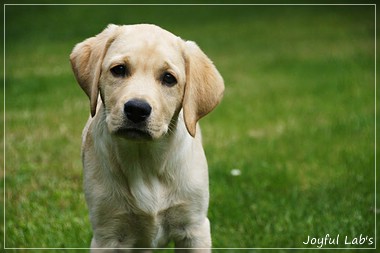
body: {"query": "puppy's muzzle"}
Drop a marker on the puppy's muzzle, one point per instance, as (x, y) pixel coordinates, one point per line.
(137, 110)
(136, 120)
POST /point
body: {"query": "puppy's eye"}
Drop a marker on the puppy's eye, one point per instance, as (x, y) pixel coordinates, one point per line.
(168, 79)
(119, 71)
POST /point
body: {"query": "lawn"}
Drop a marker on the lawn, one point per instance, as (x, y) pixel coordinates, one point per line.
(297, 121)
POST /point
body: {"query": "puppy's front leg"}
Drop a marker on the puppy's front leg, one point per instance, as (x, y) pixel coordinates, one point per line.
(198, 240)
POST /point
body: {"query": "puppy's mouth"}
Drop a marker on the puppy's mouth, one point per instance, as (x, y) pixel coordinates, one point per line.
(133, 134)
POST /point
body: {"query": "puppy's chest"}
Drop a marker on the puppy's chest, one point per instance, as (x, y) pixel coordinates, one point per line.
(157, 206)
(149, 194)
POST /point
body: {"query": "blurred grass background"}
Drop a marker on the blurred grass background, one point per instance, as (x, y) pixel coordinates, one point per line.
(297, 120)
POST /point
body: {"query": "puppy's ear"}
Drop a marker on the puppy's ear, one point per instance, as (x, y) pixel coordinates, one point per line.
(86, 61)
(204, 86)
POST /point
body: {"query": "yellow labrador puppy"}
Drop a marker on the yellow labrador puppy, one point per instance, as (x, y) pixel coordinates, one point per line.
(145, 171)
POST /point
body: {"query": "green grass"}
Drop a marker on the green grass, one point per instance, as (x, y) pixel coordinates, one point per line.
(297, 120)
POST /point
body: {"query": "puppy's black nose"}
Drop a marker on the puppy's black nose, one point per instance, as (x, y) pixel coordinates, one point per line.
(137, 110)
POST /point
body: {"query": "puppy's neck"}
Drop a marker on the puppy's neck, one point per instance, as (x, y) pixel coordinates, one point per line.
(147, 156)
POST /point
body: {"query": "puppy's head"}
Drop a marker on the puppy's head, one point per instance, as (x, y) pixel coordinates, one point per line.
(145, 76)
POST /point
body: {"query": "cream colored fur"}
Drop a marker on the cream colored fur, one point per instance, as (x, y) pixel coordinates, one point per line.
(145, 190)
